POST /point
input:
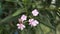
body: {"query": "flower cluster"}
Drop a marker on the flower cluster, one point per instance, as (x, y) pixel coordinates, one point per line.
(32, 21)
(21, 25)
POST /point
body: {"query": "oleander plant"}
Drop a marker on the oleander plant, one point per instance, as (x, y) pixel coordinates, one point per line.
(29, 16)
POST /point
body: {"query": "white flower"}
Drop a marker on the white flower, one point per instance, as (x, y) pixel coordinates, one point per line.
(33, 22)
(21, 26)
(35, 12)
(23, 17)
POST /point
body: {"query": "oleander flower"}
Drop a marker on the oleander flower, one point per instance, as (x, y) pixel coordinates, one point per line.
(21, 26)
(33, 22)
(23, 17)
(35, 12)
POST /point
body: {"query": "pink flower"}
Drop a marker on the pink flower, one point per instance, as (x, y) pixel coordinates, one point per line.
(35, 12)
(33, 22)
(21, 26)
(23, 17)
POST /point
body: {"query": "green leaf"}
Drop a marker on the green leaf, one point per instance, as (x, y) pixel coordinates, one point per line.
(18, 12)
(0, 8)
(14, 15)
(45, 28)
(11, 0)
(38, 29)
(45, 20)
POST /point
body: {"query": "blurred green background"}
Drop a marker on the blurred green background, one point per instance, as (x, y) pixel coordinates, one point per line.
(49, 16)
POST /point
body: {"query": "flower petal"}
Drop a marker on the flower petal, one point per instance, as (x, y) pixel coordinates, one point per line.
(18, 24)
(30, 20)
(36, 22)
(18, 27)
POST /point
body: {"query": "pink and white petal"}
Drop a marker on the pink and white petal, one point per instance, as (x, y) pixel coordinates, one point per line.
(30, 20)
(21, 28)
(18, 27)
(33, 23)
(18, 24)
(36, 22)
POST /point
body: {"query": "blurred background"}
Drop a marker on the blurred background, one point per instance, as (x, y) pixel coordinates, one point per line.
(49, 16)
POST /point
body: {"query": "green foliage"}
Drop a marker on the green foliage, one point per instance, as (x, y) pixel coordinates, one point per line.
(49, 16)
(0, 8)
